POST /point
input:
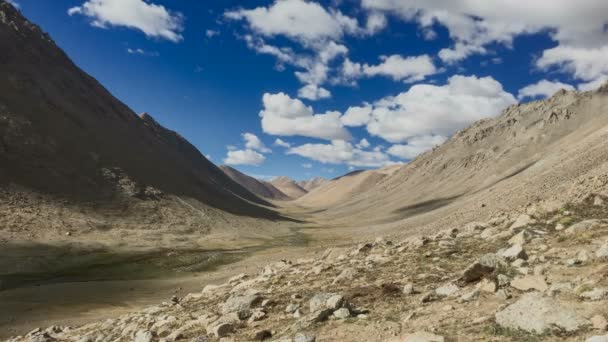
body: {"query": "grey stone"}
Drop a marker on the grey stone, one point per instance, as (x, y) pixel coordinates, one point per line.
(240, 303)
(447, 290)
(144, 336)
(304, 337)
(514, 252)
(342, 313)
(582, 226)
(597, 338)
(537, 314)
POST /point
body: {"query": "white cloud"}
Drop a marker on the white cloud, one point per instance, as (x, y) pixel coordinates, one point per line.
(151, 19)
(341, 152)
(244, 157)
(252, 142)
(281, 143)
(542, 88)
(408, 69)
(592, 85)
(211, 33)
(399, 68)
(473, 25)
(415, 146)
(142, 52)
(363, 143)
(438, 110)
(305, 21)
(285, 116)
(375, 22)
(307, 165)
(313, 92)
(357, 116)
(584, 63)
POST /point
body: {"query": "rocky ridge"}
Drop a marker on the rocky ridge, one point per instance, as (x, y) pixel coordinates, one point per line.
(533, 275)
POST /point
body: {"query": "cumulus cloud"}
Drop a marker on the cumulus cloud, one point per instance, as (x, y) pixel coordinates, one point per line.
(363, 143)
(357, 116)
(281, 143)
(244, 157)
(473, 25)
(153, 20)
(427, 109)
(415, 146)
(542, 88)
(592, 85)
(285, 116)
(341, 152)
(252, 142)
(301, 20)
(399, 68)
(589, 64)
(313, 92)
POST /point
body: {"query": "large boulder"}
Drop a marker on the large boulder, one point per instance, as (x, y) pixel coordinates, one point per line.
(537, 314)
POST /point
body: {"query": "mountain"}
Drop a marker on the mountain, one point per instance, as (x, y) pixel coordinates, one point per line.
(288, 186)
(341, 189)
(554, 149)
(256, 186)
(62, 133)
(313, 183)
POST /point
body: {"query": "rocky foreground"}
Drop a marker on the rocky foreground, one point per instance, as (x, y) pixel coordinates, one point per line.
(538, 275)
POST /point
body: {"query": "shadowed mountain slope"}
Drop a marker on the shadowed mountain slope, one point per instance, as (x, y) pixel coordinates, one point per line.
(60, 129)
(258, 187)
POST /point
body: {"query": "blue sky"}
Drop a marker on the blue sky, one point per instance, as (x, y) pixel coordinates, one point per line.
(343, 84)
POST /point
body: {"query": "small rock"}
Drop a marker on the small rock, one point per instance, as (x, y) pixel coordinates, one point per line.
(530, 282)
(595, 294)
(519, 263)
(303, 337)
(408, 289)
(262, 335)
(522, 221)
(222, 329)
(485, 265)
(342, 313)
(602, 252)
(514, 252)
(347, 274)
(319, 315)
(470, 296)
(521, 238)
(598, 201)
(583, 226)
(335, 302)
(240, 303)
(257, 315)
(447, 290)
(599, 322)
(488, 285)
(144, 336)
(292, 308)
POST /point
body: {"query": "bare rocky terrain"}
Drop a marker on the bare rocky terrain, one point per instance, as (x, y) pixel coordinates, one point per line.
(499, 234)
(533, 276)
